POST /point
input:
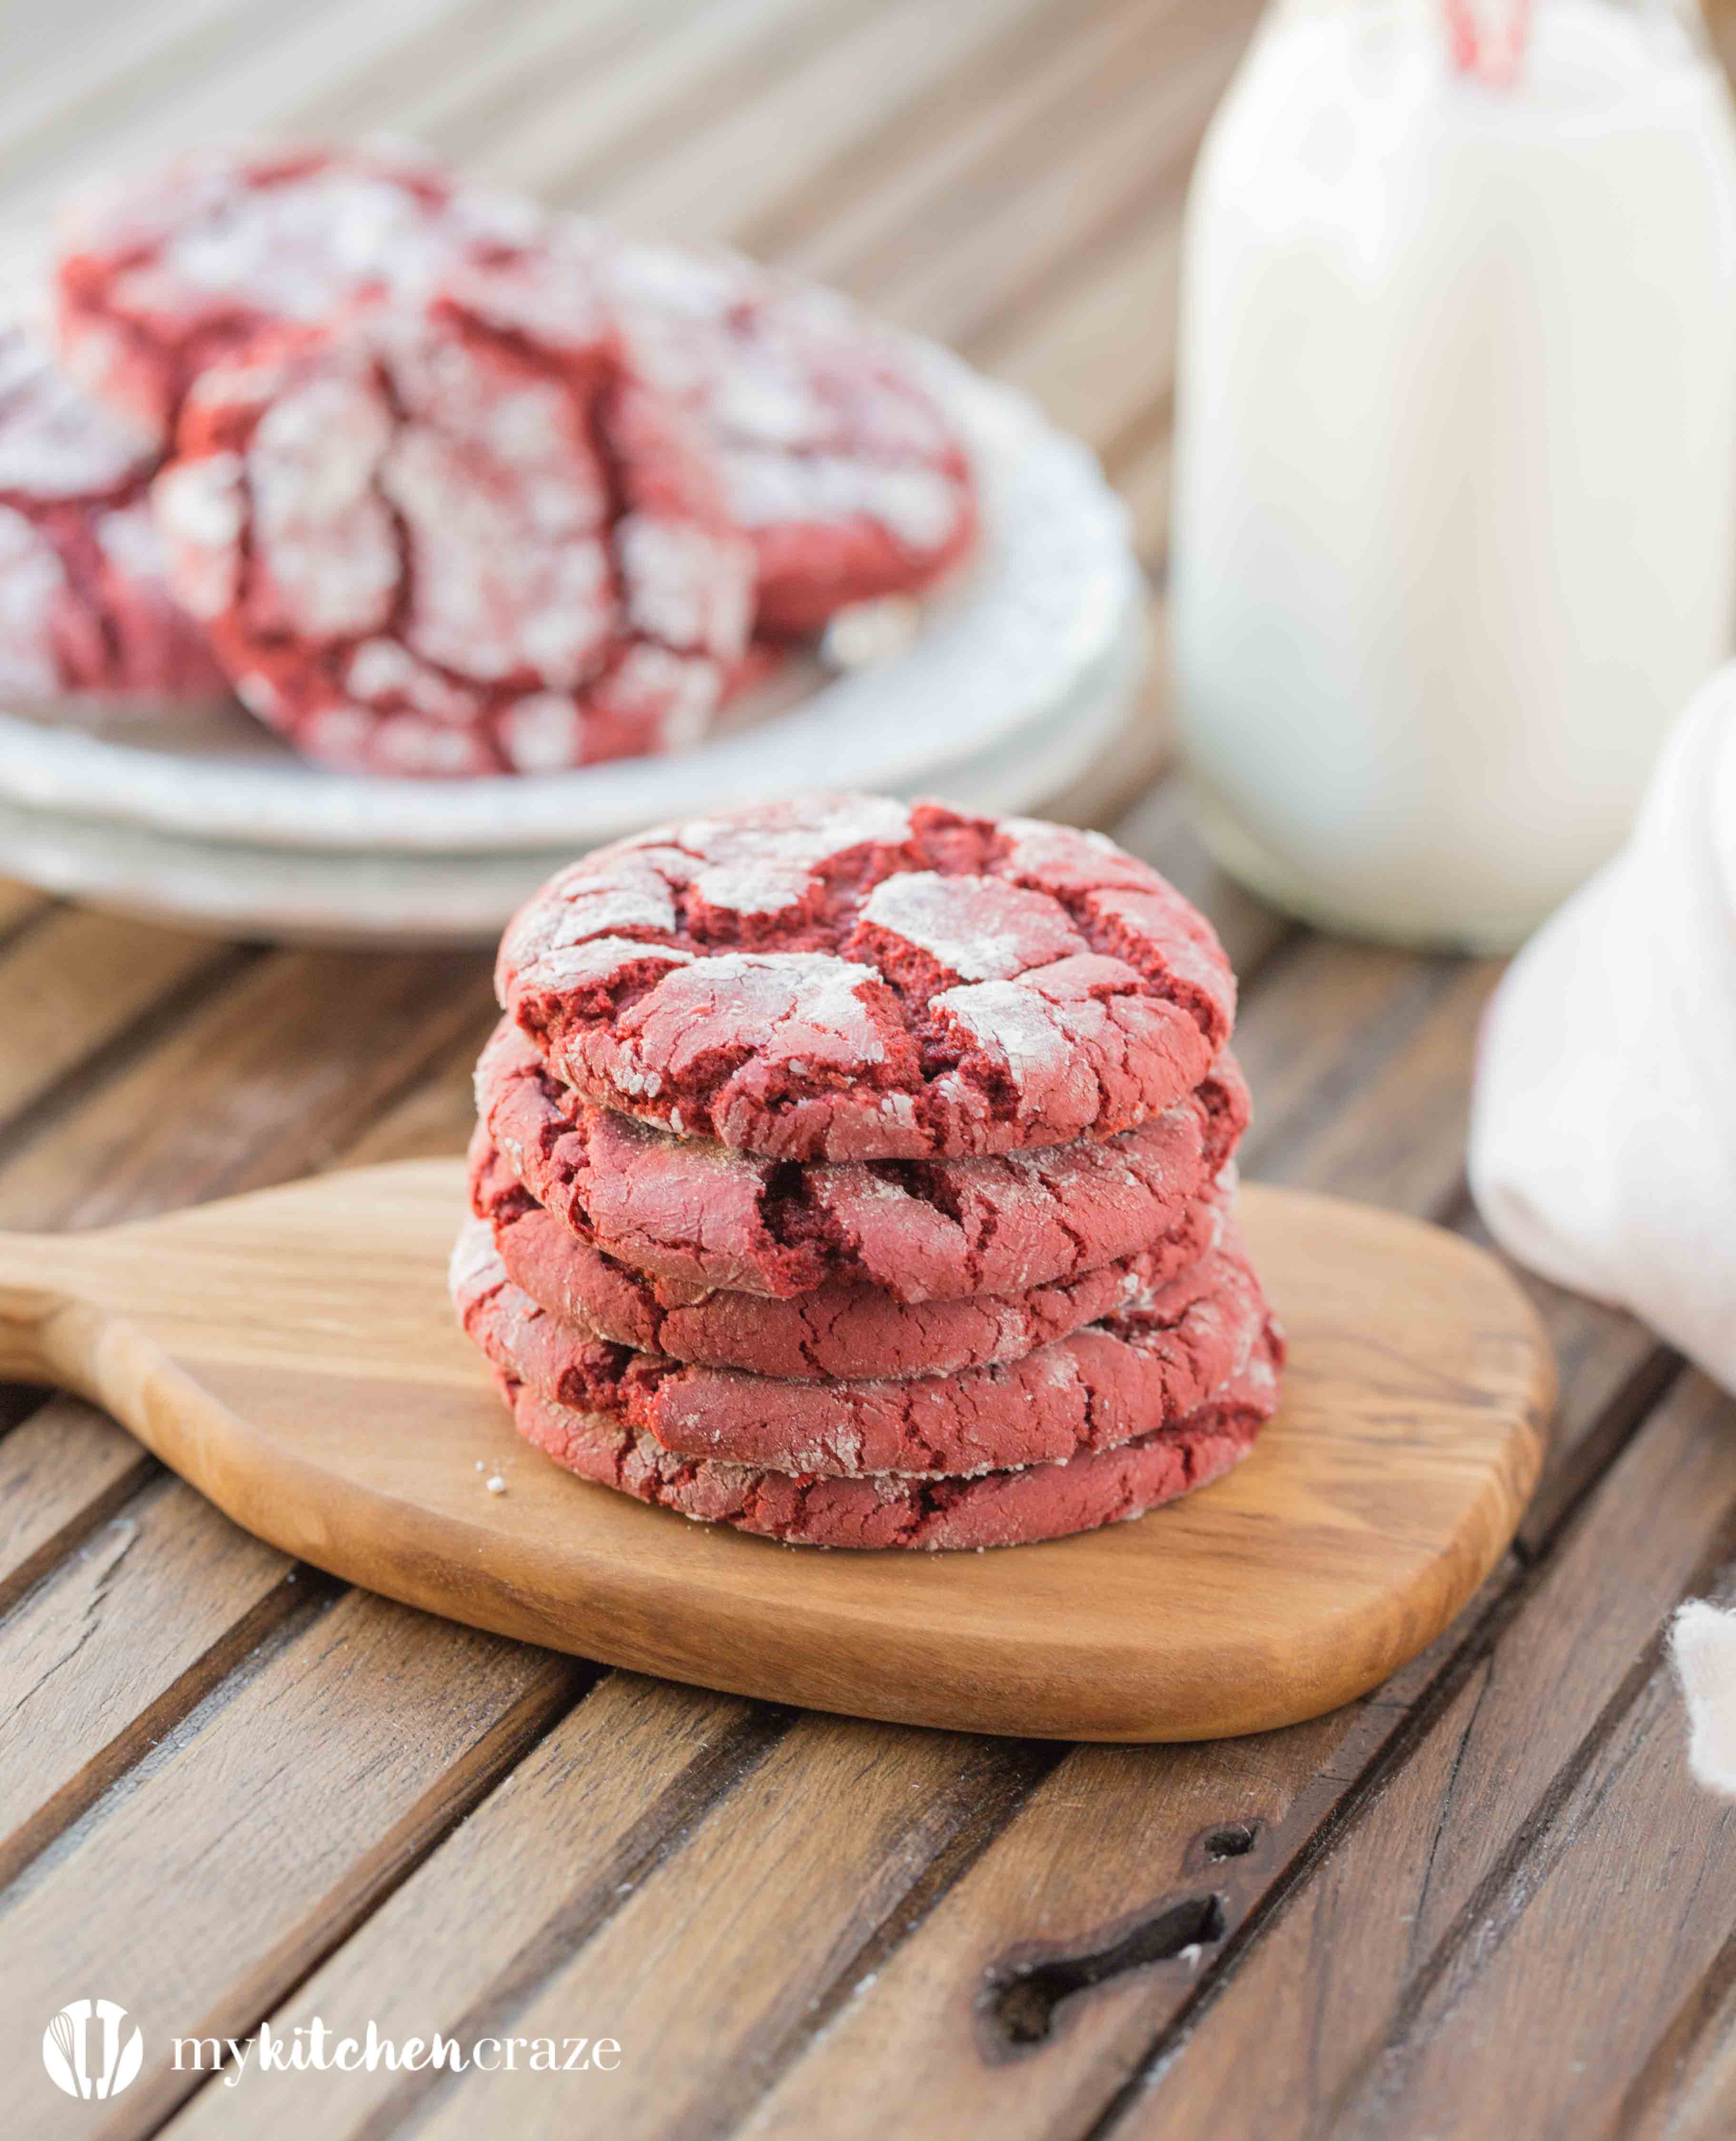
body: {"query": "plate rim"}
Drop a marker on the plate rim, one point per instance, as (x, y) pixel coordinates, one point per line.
(139, 872)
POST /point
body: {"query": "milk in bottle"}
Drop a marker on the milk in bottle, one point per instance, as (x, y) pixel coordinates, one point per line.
(1455, 509)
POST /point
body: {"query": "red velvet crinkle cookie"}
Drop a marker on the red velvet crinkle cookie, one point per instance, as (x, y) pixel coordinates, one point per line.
(161, 273)
(835, 457)
(1098, 1388)
(457, 540)
(696, 1213)
(83, 605)
(850, 978)
(834, 1334)
(995, 1508)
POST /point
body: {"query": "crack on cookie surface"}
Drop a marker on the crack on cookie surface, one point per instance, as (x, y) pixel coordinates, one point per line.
(922, 1230)
(841, 978)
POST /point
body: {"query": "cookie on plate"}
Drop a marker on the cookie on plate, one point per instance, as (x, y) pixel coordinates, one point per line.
(850, 978)
(163, 272)
(836, 460)
(836, 457)
(456, 539)
(84, 606)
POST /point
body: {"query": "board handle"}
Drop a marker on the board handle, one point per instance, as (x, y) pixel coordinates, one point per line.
(49, 1332)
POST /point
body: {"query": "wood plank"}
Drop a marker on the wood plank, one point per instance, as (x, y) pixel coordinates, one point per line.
(62, 1472)
(280, 1070)
(1006, 235)
(199, 69)
(221, 1870)
(756, 149)
(77, 980)
(155, 1674)
(708, 1964)
(116, 1645)
(858, 217)
(65, 1472)
(1398, 1139)
(1325, 1018)
(968, 2026)
(439, 1112)
(1098, 352)
(547, 1858)
(560, 145)
(1545, 2014)
(1400, 1898)
(1685, 2089)
(468, 72)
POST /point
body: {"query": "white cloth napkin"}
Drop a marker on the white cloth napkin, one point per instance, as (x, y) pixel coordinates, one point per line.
(1603, 1128)
(1702, 1641)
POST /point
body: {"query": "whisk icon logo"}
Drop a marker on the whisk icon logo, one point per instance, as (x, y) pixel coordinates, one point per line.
(84, 2060)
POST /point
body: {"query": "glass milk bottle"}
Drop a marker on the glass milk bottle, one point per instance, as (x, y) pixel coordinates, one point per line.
(1455, 507)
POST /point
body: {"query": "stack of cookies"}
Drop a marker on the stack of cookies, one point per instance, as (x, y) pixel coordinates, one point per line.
(860, 1174)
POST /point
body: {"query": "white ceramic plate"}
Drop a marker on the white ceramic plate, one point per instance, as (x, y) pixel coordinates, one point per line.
(1009, 641)
(397, 899)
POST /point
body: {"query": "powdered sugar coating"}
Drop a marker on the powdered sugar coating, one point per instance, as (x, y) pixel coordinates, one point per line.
(994, 1509)
(980, 929)
(83, 602)
(692, 1213)
(833, 456)
(843, 978)
(165, 272)
(429, 547)
(56, 442)
(836, 1332)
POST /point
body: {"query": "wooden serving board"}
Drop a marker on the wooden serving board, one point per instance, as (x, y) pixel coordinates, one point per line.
(294, 1355)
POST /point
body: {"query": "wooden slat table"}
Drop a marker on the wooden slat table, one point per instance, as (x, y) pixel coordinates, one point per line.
(1489, 1900)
